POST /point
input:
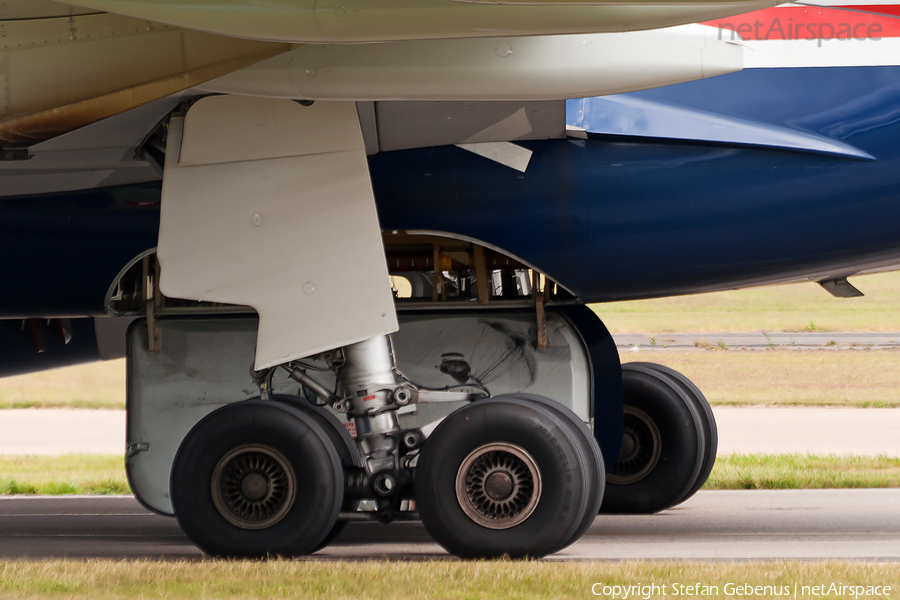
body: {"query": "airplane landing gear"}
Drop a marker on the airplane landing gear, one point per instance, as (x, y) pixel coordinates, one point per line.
(508, 476)
(515, 475)
(481, 489)
(257, 478)
(669, 443)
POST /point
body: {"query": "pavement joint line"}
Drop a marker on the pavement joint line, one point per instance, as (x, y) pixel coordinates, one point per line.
(91, 535)
(147, 514)
(804, 509)
(759, 559)
(758, 340)
(66, 497)
(761, 534)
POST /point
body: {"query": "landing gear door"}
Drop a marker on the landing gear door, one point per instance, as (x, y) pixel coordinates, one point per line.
(268, 203)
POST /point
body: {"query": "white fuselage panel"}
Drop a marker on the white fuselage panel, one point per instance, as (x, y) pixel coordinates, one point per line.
(515, 68)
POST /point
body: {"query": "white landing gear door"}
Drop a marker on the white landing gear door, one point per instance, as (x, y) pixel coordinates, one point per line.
(269, 204)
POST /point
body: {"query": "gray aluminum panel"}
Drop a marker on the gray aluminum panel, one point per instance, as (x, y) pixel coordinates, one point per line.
(403, 125)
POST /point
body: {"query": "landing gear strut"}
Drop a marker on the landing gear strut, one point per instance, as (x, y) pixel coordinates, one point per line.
(516, 475)
(260, 477)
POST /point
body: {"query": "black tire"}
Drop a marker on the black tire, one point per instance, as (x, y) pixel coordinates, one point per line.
(546, 508)
(665, 454)
(243, 440)
(595, 468)
(707, 421)
(333, 428)
(343, 443)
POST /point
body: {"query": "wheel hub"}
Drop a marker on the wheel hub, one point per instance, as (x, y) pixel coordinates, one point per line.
(253, 487)
(498, 485)
(629, 445)
(640, 448)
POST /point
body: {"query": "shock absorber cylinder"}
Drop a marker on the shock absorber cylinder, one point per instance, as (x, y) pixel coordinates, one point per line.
(367, 379)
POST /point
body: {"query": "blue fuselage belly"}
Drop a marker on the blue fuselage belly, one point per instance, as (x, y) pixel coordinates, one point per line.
(60, 253)
(617, 218)
(610, 218)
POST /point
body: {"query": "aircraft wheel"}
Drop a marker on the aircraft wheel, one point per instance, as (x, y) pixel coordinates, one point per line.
(255, 479)
(502, 477)
(343, 443)
(707, 421)
(663, 446)
(596, 470)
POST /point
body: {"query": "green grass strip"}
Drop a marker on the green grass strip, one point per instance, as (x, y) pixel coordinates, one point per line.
(446, 579)
(803, 471)
(63, 403)
(97, 474)
(794, 307)
(93, 385)
(69, 474)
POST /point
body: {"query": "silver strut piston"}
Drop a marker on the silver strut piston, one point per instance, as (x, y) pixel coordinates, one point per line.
(367, 381)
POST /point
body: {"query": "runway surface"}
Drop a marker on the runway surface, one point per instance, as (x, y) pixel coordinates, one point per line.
(56, 431)
(863, 431)
(795, 524)
(868, 431)
(759, 340)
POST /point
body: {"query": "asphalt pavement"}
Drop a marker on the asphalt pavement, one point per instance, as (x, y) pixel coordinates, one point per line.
(732, 525)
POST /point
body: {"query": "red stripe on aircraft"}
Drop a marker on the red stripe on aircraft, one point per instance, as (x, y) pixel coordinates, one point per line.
(882, 9)
(810, 23)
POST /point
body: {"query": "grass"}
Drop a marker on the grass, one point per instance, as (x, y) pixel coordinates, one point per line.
(95, 474)
(375, 580)
(792, 307)
(860, 378)
(803, 471)
(93, 385)
(68, 474)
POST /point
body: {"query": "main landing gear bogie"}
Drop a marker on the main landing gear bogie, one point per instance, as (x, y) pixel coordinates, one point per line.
(514, 475)
(506, 476)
